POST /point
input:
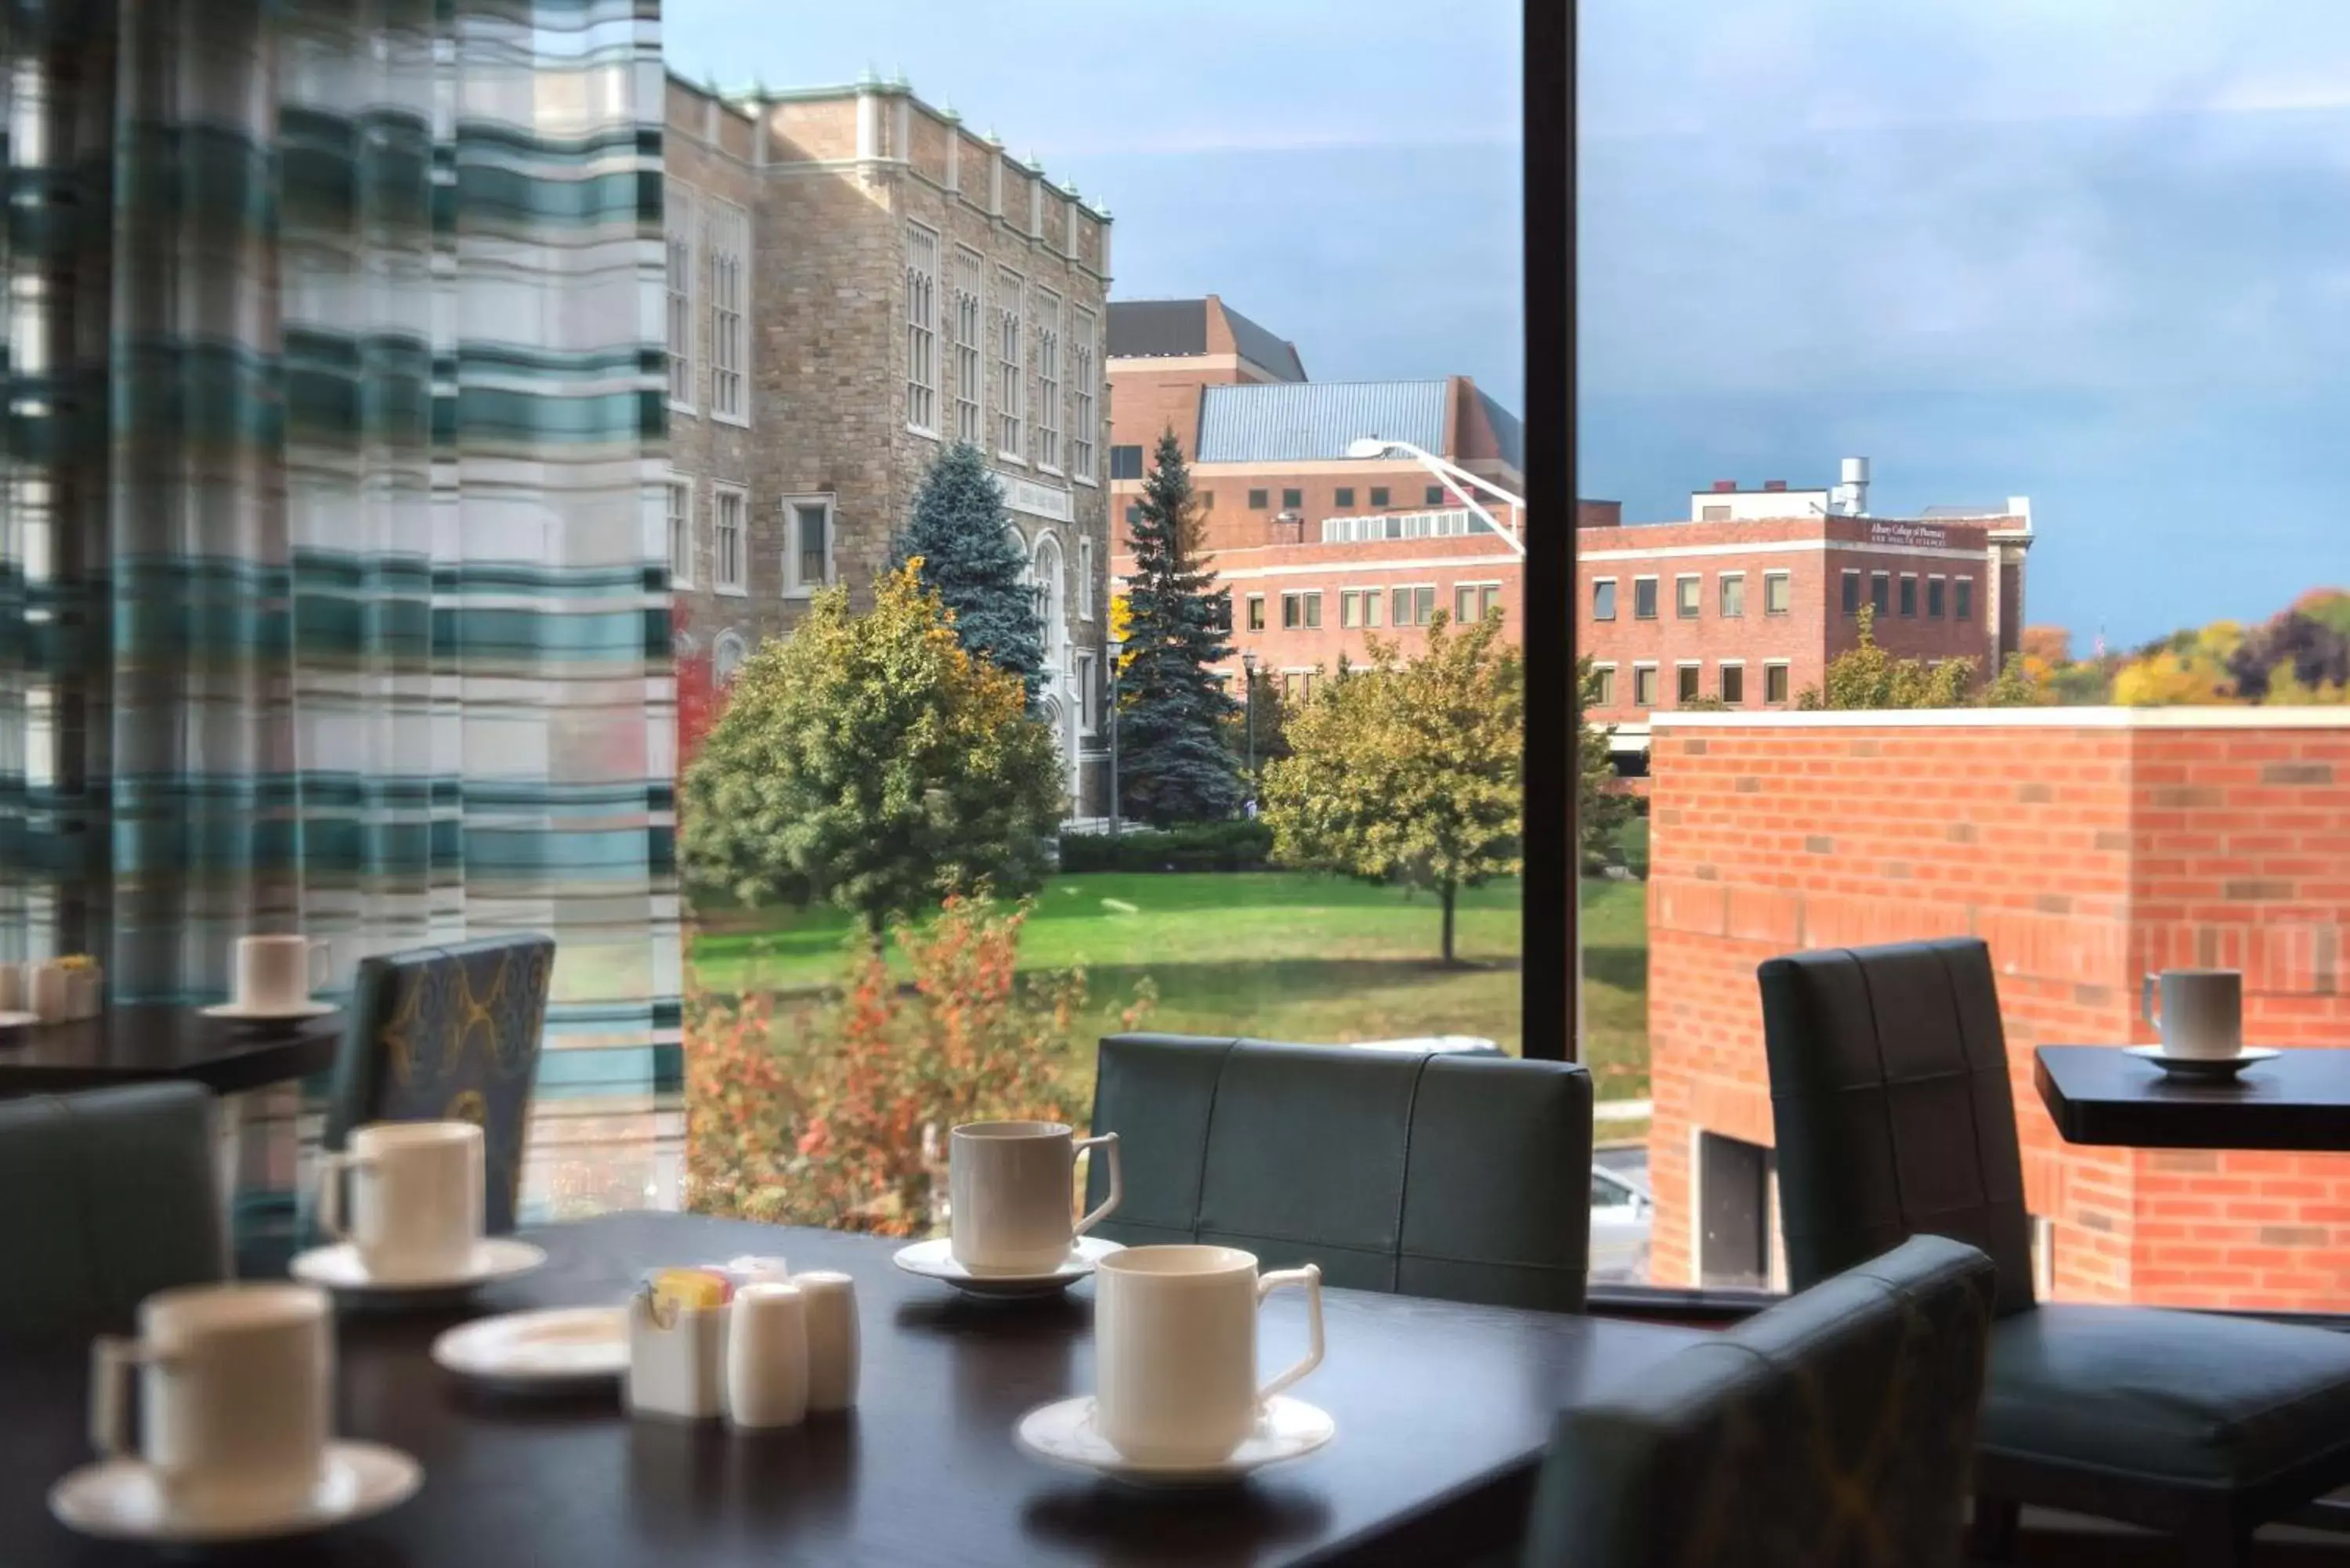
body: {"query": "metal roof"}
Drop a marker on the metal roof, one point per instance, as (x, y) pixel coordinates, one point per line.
(1172, 328)
(1296, 421)
(1263, 348)
(1509, 432)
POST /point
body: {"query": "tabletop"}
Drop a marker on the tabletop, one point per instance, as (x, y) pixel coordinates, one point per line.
(149, 1042)
(1442, 1410)
(2102, 1095)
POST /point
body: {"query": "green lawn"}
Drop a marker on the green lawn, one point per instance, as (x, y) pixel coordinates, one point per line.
(1281, 955)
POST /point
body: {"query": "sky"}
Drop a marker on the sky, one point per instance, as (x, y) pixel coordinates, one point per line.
(2093, 252)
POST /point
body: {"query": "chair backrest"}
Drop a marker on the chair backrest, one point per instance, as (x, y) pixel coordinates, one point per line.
(106, 1197)
(1467, 1178)
(1890, 1088)
(1834, 1431)
(449, 1034)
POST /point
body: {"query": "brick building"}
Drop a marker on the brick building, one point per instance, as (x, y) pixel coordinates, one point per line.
(2087, 846)
(1317, 548)
(856, 278)
(1748, 601)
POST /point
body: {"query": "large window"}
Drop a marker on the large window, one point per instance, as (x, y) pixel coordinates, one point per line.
(1049, 379)
(1082, 416)
(726, 236)
(922, 329)
(807, 543)
(1011, 369)
(680, 492)
(677, 225)
(1126, 461)
(969, 329)
(729, 549)
(1301, 611)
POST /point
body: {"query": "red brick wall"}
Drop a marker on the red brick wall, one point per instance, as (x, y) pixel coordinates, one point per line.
(2085, 848)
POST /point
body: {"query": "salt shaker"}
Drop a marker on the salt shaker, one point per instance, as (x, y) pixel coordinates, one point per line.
(767, 1357)
(830, 1305)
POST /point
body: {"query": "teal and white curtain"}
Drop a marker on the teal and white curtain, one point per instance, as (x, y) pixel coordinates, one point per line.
(332, 593)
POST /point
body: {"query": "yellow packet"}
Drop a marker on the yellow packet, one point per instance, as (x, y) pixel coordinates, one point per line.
(696, 1288)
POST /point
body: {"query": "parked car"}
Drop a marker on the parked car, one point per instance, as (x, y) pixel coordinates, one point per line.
(1621, 1215)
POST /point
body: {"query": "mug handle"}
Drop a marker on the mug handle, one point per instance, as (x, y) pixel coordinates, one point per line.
(1116, 1186)
(319, 974)
(111, 1357)
(332, 1166)
(2146, 995)
(1310, 1276)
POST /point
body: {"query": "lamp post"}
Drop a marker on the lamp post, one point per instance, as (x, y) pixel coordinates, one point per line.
(1248, 680)
(1366, 447)
(1117, 658)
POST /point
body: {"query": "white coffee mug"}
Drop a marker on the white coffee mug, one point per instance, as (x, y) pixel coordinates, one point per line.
(279, 972)
(1008, 1183)
(1175, 1349)
(416, 1194)
(2202, 1011)
(235, 1394)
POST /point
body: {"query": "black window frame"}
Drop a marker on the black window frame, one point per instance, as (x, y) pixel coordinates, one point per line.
(1852, 590)
(1292, 498)
(1733, 675)
(1434, 494)
(1380, 495)
(1343, 495)
(1260, 500)
(1122, 465)
(1880, 594)
(1689, 681)
(1650, 597)
(1938, 598)
(1962, 598)
(1596, 584)
(1907, 597)
(1256, 612)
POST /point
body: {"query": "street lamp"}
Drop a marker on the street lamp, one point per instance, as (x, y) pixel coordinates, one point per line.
(1117, 658)
(1367, 448)
(1248, 680)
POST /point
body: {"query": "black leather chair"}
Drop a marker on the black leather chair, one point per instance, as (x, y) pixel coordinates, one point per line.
(1465, 1177)
(1889, 1086)
(1833, 1431)
(106, 1197)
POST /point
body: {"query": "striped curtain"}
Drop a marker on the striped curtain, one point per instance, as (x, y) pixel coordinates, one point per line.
(332, 594)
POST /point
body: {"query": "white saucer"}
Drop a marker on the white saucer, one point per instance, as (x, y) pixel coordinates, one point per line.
(1063, 1434)
(936, 1260)
(287, 1012)
(338, 1268)
(123, 1500)
(18, 1020)
(2210, 1068)
(555, 1351)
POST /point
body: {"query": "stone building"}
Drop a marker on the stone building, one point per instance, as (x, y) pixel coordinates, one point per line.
(856, 280)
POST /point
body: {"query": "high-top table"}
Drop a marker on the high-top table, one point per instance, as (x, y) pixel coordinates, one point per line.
(2103, 1095)
(1442, 1412)
(149, 1042)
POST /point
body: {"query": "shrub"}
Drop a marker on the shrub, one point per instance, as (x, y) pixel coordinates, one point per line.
(1236, 846)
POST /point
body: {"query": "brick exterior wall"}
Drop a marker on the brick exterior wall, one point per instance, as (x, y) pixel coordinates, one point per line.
(831, 181)
(2087, 848)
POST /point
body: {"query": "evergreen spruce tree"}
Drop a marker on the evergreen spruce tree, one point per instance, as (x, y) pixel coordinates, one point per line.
(974, 560)
(1173, 763)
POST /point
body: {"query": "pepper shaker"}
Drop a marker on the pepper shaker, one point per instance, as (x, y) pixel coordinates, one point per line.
(767, 1357)
(830, 1305)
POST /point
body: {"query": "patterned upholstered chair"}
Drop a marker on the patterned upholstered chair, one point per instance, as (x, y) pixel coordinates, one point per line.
(1889, 1086)
(449, 1034)
(109, 1196)
(1834, 1430)
(1465, 1177)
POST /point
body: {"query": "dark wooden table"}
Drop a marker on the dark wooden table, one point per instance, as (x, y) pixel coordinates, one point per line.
(2102, 1095)
(145, 1043)
(1442, 1412)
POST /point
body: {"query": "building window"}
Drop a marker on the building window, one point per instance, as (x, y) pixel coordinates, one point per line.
(1049, 379)
(1733, 684)
(1360, 607)
(1909, 596)
(1259, 500)
(1414, 607)
(1603, 598)
(1345, 496)
(1734, 595)
(1379, 495)
(1010, 370)
(1488, 597)
(727, 505)
(1088, 698)
(1464, 603)
(1435, 496)
(1296, 686)
(1936, 592)
(922, 328)
(1291, 500)
(1713, 513)
(726, 656)
(1880, 594)
(1686, 679)
(807, 543)
(1301, 611)
(681, 533)
(1256, 612)
(1125, 463)
(1603, 686)
(1686, 591)
(1644, 686)
(970, 368)
(1133, 512)
(1774, 684)
(1962, 606)
(1085, 578)
(1852, 593)
(1081, 395)
(1644, 599)
(1778, 593)
(677, 224)
(1207, 500)
(726, 235)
